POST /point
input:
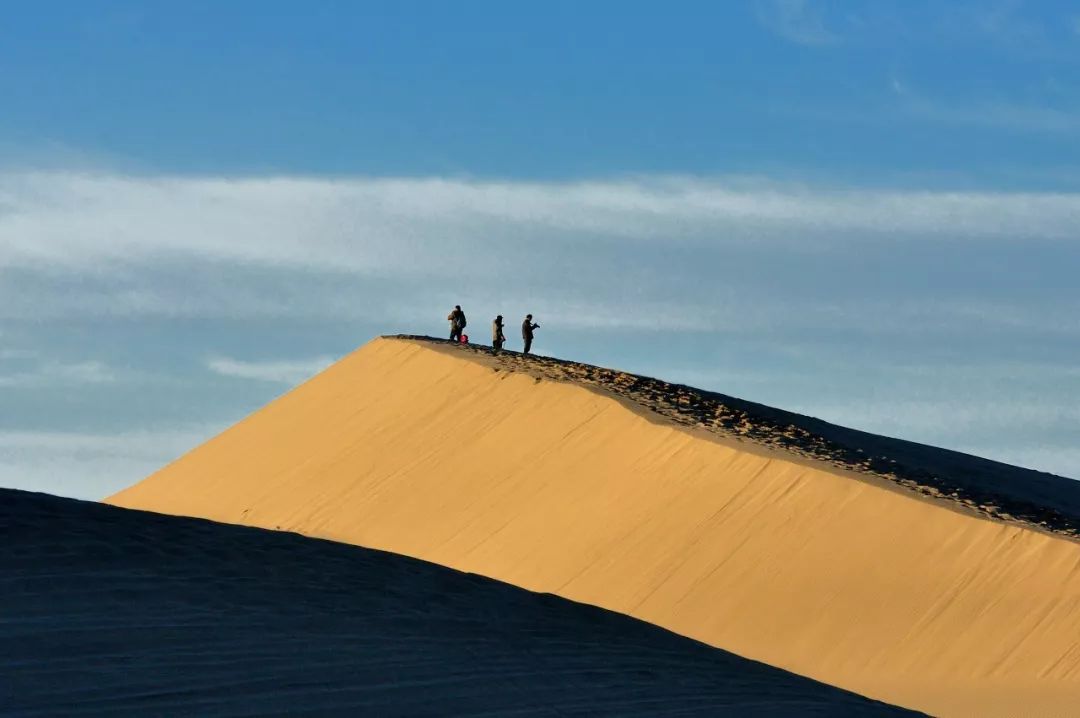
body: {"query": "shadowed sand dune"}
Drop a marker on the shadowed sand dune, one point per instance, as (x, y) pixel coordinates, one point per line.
(825, 551)
(107, 611)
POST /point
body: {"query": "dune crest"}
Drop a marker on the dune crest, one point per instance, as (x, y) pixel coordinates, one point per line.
(433, 452)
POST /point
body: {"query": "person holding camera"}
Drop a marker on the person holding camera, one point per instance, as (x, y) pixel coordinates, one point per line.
(527, 328)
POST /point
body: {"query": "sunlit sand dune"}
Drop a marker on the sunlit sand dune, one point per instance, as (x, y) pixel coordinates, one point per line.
(870, 564)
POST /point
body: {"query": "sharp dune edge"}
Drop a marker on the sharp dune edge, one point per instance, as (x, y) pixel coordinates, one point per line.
(221, 620)
(429, 452)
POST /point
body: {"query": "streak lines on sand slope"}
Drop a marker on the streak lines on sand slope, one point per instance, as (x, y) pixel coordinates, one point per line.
(1069, 656)
(1010, 652)
(628, 543)
(694, 539)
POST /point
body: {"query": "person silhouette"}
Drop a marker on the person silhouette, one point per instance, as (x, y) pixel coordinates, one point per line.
(457, 323)
(527, 328)
(497, 336)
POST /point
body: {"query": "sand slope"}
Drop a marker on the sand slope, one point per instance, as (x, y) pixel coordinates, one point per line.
(115, 612)
(554, 487)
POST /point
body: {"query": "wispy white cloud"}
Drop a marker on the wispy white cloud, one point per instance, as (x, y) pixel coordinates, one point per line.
(57, 373)
(1025, 433)
(799, 21)
(285, 372)
(91, 466)
(1023, 118)
(1013, 26)
(132, 444)
(995, 114)
(8, 354)
(1007, 22)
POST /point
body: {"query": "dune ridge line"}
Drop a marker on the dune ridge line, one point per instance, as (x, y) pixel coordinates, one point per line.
(1036, 499)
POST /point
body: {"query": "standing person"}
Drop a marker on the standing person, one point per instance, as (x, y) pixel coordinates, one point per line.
(527, 327)
(497, 336)
(457, 323)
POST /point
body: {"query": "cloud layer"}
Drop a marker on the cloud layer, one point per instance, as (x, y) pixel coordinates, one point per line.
(60, 220)
(108, 245)
(284, 372)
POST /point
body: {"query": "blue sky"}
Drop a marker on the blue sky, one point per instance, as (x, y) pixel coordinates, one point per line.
(871, 91)
(863, 211)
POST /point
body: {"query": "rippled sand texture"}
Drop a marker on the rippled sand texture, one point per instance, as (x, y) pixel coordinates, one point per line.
(440, 453)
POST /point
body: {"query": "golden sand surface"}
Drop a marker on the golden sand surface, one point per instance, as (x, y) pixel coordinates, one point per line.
(437, 454)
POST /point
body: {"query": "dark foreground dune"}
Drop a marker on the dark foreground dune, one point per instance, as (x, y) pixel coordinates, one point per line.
(108, 611)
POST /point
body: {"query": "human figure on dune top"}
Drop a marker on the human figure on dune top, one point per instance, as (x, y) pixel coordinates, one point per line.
(457, 323)
(527, 327)
(497, 336)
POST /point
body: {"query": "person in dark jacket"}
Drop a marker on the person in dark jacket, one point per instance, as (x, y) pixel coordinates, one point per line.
(497, 336)
(457, 323)
(527, 327)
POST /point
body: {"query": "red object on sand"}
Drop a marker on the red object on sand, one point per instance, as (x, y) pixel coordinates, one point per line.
(464, 338)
